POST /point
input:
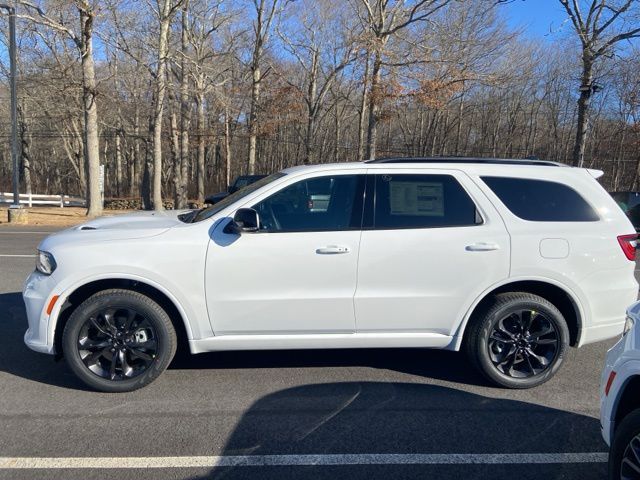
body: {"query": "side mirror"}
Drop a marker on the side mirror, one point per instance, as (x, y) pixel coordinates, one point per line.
(246, 220)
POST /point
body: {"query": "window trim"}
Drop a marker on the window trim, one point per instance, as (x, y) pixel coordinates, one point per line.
(361, 188)
(371, 202)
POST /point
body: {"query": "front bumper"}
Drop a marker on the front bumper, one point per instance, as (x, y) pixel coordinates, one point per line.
(36, 294)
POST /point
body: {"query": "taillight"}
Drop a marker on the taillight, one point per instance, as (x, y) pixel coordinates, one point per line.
(628, 244)
(612, 376)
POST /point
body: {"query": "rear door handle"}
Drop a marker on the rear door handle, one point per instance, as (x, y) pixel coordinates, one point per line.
(482, 247)
(332, 250)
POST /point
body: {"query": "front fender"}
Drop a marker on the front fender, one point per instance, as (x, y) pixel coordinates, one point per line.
(69, 286)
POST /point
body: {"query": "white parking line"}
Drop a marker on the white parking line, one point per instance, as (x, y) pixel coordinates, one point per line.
(298, 460)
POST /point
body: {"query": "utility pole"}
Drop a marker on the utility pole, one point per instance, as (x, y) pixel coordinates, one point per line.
(14, 113)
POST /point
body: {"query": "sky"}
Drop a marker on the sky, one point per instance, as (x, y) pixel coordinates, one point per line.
(539, 18)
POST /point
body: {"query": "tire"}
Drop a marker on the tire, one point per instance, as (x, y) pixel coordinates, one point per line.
(625, 433)
(501, 328)
(118, 341)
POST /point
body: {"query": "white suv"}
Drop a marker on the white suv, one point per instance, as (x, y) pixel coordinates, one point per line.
(511, 260)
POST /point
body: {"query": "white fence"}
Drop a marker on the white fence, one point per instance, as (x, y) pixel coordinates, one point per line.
(32, 199)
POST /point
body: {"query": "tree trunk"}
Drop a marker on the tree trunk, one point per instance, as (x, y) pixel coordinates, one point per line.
(92, 146)
(201, 144)
(456, 149)
(158, 111)
(374, 106)
(583, 110)
(363, 111)
(25, 143)
(174, 135)
(311, 109)
(118, 164)
(185, 117)
(337, 126)
(253, 118)
(134, 168)
(227, 146)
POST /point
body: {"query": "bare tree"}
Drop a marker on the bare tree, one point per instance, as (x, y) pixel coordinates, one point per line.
(207, 66)
(166, 10)
(181, 169)
(607, 23)
(323, 46)
(266, 11)
(384, 20)
(87, 11)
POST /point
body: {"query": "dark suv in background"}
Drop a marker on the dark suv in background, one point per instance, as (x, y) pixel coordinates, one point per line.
(629, 202)
(240, 182)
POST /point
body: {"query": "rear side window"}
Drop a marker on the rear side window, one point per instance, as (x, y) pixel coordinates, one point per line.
(422, 201)
(541, 200)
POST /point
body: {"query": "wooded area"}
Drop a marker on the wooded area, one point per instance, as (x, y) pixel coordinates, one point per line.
(177, 97)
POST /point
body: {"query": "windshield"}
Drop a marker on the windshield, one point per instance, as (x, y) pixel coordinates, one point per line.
(208, 212)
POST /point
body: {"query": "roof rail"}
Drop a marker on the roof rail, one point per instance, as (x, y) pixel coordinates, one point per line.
(494, 161)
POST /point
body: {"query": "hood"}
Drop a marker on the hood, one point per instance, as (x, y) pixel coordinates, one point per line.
(141, 222)
(118, 227)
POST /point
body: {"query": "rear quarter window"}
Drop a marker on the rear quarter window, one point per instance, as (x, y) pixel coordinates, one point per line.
(541, 200)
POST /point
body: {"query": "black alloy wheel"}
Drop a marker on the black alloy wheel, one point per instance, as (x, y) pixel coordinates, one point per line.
(117, 343)
(624, 455)
(523, 344)
(630, 464)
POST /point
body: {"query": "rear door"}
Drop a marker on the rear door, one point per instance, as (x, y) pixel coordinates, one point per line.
(431, 244)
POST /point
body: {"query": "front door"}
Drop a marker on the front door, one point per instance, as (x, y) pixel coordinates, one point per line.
(297, 274)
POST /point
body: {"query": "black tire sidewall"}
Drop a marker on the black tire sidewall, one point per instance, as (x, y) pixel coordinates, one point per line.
(624, 433)
(154, 314)
(501, 310)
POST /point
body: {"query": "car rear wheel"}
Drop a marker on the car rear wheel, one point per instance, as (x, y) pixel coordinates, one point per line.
(118, 341)
(518, 341)
(624, 456)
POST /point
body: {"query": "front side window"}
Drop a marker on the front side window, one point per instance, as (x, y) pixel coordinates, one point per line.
(541, 200)
(422, 201)
(327, 203)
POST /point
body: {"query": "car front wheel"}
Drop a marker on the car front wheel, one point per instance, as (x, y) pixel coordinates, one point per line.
(118, 341)
(518, 341)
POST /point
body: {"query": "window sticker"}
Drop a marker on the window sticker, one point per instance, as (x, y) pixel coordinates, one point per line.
(416, 198)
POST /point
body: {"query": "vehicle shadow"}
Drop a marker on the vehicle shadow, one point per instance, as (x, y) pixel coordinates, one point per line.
(428, 363)
(16, 359)
(402, 418)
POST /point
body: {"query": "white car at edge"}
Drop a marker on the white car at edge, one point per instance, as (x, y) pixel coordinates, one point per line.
(511, 260)
(620, 400)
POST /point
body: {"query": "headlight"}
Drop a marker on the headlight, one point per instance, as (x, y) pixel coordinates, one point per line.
(45, 263)
(628, 325)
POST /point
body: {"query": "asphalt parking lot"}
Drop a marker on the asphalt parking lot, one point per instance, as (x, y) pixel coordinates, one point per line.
(298, 414)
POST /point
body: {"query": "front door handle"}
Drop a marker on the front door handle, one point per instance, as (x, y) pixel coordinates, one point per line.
(332, 250)
(482, 247)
